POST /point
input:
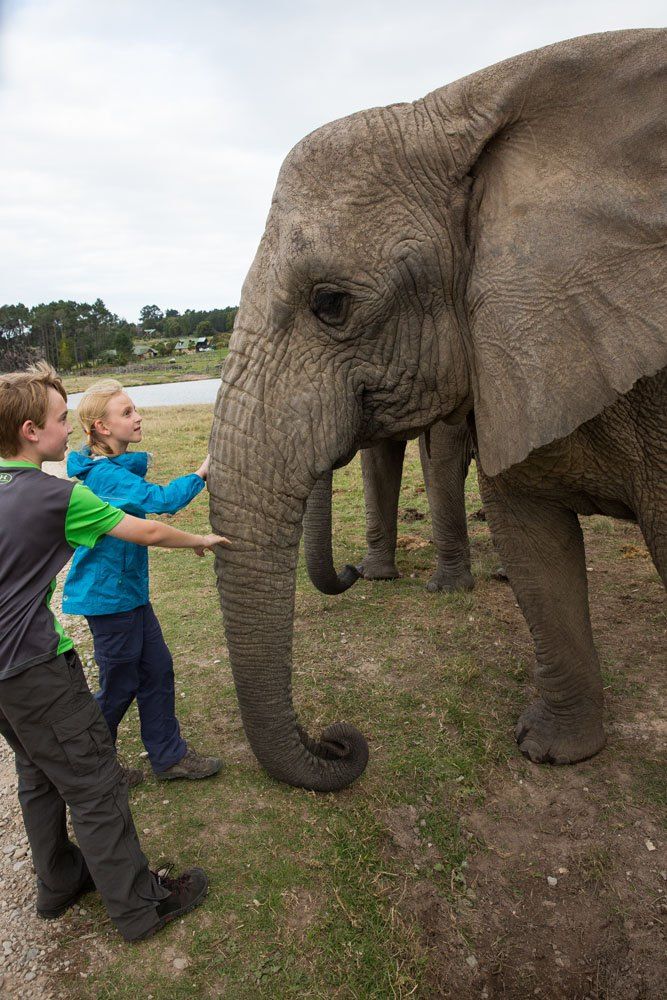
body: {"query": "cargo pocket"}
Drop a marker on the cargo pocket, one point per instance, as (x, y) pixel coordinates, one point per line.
(84, 738)
(116, 637)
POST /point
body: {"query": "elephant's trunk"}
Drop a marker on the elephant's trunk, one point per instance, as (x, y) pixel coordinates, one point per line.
(256, 581)
(317, 531)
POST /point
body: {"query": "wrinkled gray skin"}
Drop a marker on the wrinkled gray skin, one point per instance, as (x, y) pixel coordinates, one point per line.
(445, 455)
(317, 541)
(491, 253)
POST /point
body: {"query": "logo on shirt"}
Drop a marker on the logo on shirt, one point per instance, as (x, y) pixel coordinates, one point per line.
(5, 477)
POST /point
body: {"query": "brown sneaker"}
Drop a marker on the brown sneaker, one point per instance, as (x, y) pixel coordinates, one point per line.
(185, 892)
(133, 776)
(191, 766)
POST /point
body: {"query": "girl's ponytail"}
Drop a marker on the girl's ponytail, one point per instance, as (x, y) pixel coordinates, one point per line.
(93, 406)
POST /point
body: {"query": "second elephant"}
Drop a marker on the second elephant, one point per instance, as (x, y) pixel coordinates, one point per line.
(445, 452)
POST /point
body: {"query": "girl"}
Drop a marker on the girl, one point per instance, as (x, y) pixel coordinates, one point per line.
(109, 584)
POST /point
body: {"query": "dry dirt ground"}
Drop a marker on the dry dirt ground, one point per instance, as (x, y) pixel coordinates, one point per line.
(564, 895)
(562, 899)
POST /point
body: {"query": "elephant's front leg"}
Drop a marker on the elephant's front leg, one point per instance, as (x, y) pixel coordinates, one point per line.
(445, 457)
(382, 470)
(542, 548)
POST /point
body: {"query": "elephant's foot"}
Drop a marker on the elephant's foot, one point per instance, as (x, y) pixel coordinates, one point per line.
(548, 738)
(450, 582)
(378, 568)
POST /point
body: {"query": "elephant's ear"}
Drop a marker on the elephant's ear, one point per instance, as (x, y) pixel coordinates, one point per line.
(566, 289)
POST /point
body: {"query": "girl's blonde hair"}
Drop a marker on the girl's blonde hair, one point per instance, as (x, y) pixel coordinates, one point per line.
(93, 406)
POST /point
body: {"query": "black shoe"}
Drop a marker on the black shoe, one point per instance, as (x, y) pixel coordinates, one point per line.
(57, 910)
(185, 893)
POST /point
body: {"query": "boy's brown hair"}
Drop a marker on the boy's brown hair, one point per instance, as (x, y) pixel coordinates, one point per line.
(25, 396)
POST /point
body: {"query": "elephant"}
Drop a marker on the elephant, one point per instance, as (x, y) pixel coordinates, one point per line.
(490, 254)
(445, 453)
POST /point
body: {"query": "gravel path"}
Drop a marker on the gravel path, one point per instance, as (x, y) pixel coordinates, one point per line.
(31, 957)
(28, 947)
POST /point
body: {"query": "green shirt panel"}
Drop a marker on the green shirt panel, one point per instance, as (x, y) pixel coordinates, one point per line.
(88, 518)
(64, 641)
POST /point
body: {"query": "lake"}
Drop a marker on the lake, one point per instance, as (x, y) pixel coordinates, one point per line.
(202, 390)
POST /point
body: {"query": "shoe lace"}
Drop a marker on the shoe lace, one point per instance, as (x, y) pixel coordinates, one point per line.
(162, 876)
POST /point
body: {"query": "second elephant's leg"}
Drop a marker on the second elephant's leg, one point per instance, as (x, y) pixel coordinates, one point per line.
(445, 470)
(382, 469)
(542, 548)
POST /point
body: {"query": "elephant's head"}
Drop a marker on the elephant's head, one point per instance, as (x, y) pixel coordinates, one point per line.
(421, 262)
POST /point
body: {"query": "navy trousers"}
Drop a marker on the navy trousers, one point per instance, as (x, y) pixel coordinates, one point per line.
(134, 662)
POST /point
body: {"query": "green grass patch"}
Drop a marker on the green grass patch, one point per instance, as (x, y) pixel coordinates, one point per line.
(202, 364)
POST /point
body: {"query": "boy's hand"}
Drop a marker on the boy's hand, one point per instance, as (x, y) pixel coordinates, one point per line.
(203, 468)
(209, 542)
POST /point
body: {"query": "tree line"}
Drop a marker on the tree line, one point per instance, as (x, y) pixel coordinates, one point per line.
(75, 334)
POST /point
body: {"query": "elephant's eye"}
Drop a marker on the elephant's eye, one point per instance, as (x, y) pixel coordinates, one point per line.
(330, 305)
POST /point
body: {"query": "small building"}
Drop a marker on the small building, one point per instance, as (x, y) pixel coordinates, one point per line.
(144, 351)
(203, 344)
(181, 347)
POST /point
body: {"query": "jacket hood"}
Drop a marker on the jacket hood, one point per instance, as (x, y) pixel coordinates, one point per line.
(79, 463)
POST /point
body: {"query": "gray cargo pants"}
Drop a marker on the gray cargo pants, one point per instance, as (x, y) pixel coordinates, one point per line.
(65, 755)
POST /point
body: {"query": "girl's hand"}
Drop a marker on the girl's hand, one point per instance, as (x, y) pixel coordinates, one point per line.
(203, 468)
(209, 542)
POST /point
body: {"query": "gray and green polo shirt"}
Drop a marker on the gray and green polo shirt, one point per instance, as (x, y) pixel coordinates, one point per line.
(42, 520)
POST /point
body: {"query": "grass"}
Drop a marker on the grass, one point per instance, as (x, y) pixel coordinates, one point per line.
(179, 367)
(308, 892)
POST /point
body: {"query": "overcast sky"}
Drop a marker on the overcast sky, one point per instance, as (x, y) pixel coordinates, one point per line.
(141, 139)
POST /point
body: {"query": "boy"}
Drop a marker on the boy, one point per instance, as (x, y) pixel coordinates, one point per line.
(63, 748)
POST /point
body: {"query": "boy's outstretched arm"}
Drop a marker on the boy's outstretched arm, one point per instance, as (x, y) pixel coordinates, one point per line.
(134, 529)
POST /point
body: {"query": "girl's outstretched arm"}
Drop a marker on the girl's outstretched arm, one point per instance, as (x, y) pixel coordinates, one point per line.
(131, 493)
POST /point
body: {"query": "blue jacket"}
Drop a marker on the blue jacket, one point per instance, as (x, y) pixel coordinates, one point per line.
(114, 575)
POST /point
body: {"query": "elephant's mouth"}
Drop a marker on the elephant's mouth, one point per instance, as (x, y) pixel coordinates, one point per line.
(345, 459)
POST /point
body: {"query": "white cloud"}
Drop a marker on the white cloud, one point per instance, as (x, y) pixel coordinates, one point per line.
(141, 140)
